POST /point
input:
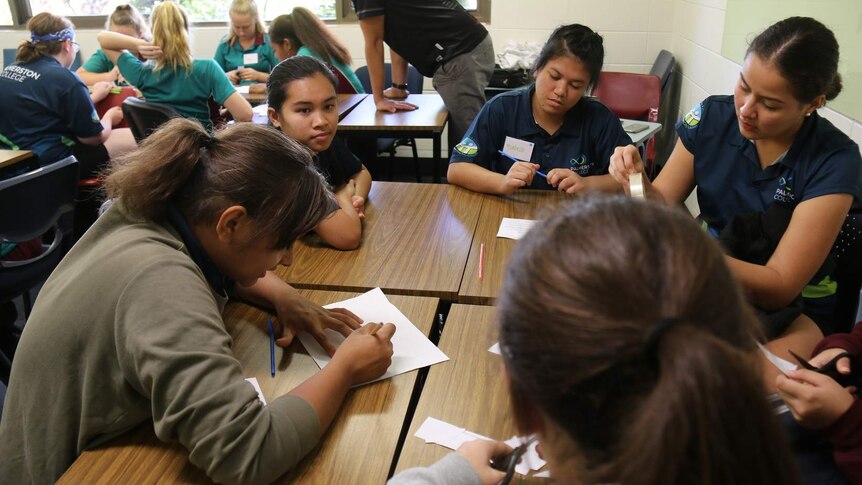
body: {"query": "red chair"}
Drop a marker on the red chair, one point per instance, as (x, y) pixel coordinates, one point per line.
(632, 96)
(115, 98)
(344, 86)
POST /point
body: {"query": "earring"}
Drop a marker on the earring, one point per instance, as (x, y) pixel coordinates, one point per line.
(808, 114)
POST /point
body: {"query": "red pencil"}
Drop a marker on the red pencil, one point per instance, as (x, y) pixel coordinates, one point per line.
(481, 260)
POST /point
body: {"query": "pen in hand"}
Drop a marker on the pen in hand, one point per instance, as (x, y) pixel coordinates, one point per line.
(510, 157)
(271, 348)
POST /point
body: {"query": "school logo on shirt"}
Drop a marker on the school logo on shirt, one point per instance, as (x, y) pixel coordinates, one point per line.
(784, 192)
(467, 147)
(693, 117)
(580, 165)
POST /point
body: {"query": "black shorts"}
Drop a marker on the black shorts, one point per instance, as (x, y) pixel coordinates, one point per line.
(92, 159)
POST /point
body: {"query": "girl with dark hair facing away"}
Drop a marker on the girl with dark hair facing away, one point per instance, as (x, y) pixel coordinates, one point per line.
(551, 136)
(301, 33)
(245, 55)
(48, 108)
(131, 318)
(629, 372)
(176, 79)
(765, 163)
(303, 105)
(125, 20)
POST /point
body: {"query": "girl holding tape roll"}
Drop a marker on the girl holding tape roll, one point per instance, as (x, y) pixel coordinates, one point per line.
(774, 179)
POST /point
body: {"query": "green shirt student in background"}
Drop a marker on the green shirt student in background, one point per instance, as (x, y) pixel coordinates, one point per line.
(245, 54)
(124, 20)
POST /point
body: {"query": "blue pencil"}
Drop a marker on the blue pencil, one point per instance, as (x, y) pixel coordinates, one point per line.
(271, 348)
(510, 157)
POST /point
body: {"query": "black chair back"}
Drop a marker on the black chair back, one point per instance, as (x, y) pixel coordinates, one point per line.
(144, 117)
(415, 80)
(44, 199)
(663, 67)
(847, 253)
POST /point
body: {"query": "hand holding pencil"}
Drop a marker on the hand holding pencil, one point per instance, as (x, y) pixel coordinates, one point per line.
(366, 353)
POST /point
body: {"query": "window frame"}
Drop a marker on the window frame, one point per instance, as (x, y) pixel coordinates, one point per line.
(344, 14)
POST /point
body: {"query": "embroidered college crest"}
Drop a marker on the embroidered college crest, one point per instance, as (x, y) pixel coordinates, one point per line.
(467, 147)
(693, 117)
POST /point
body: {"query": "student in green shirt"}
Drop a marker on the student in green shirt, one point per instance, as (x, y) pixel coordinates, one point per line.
(176, 79)
(301, 33)
(245, 55)
(126, 20)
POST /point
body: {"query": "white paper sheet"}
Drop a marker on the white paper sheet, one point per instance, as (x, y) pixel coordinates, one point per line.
(435, 431)
(514, 228)
(242, 89)
(260, 109)
(411, 348)
(256, 385)
(783, 365)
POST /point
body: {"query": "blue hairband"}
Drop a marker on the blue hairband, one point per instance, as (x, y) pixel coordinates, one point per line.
(65, 34)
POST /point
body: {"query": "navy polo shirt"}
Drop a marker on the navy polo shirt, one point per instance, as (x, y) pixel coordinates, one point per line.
(584, 143)
(822, 160)
(46, 107)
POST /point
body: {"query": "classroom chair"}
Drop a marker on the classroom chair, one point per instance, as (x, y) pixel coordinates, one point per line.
(415, 84)
(344, 86)
(847, 253)
(144, 118)
(663, 68)
(632, 96)
(44, 202)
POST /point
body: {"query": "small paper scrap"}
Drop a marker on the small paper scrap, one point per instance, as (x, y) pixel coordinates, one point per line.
(495, 349)
(783, 365)
(435, 431)
(514, 228)
(256, 385)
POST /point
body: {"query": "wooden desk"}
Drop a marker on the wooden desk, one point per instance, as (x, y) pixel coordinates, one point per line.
(523, 204)
(427, 121)
(358, 448)
(468, 391)
(415, 241)
(9, 158)
(346, 103)
(254, 98)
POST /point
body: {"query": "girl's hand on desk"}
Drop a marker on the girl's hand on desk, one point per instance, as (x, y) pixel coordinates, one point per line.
(624, 162)
(479, 454)
(815, 400)
(150, 51)
(249, 74)
(233, 76)
(565, 180)
(300, 314)
(393, 106)
(366, 353)
(520, 174)
(359, 204)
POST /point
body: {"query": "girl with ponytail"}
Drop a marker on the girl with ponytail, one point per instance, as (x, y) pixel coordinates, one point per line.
(630, 353)
(131, 317)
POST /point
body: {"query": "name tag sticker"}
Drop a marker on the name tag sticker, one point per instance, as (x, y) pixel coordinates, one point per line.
(249, 58)
(520, 149)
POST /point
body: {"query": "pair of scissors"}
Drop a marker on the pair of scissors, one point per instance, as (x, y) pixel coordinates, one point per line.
(506, 463)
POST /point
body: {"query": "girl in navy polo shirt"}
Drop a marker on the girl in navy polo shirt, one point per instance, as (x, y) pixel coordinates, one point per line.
(303, 104)
(48, 109)
(764, 161)
(245, 54)
(551, 135)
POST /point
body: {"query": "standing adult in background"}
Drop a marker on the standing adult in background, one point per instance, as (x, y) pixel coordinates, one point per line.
(442, 41)
(126, 20)
(301, 33)
(245, 54)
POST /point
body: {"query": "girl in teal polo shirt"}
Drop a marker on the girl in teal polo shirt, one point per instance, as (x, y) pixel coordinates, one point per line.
(765, 151)
(301, 33)
(176, 79)
(125, 20)
(245, 54)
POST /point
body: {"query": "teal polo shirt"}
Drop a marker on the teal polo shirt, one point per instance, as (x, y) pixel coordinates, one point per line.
(186, 91)
(583, 144)
(98, 62)
(344, 69)
(230, 56)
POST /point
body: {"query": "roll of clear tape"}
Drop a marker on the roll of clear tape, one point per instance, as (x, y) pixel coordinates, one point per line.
(636, 184)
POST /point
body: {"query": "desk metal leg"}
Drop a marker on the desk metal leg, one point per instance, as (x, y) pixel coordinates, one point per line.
(437, 158)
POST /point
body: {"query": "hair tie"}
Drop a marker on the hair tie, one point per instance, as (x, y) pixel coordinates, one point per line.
(65, 34)
(653, 340)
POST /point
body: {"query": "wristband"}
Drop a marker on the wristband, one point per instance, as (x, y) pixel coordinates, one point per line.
(399, 86)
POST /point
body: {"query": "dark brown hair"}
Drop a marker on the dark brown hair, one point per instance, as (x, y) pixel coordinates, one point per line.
(42, 24)
(302, 28)
(584, 296)
(250, 165)
(575, 40)
(805, 52)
